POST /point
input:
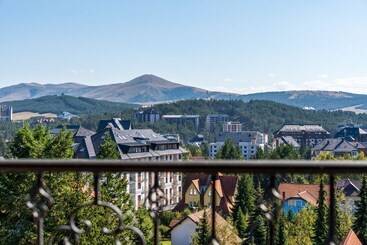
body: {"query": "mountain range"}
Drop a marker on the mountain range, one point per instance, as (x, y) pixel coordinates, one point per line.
(150, 89)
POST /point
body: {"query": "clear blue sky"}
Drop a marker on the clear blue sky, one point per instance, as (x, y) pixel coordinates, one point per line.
(244, 46)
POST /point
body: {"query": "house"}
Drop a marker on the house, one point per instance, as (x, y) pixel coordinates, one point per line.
(305, 135)
(351, 190)
(295, 197)
(197, 193)
(182, 120)
(6, 113)
(351, 239)
(339, 147)
(149, 115)
(248, 142)
(351, 132)
(215, 119)
(232, 127)
(182, 231)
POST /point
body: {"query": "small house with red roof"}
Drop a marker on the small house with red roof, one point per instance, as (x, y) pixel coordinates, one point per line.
(295, 197)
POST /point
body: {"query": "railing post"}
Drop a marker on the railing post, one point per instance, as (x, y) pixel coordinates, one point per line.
(332, 210)
(213, 207)
(156, 215)
(40, 223)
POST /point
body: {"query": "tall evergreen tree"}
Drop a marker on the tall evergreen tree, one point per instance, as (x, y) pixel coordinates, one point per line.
(229, 151)
(360, 223)
(242, 224)
(259, 222)
(280, 239)
(108, 149)
(245, 201)
(202, 236)
(321, 224)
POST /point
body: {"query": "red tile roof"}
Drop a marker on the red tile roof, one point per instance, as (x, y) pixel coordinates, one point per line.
(309, 193)
(351, 239)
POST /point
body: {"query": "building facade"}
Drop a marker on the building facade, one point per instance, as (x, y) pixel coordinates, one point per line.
(215, 119)
(232, 127)
(305, 135)
(248, 141)
(145, 144)
(149, 115)
(183, 119)
(6, 113)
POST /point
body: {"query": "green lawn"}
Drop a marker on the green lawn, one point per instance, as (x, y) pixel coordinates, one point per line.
(166, 243)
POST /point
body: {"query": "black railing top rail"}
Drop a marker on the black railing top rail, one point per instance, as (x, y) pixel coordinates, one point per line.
(224, 166)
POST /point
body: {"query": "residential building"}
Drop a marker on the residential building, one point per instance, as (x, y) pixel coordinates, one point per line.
(351, 190)
(215, 119)
(183, 119)
(232, 127)
(149, 115)
(182, 231)
(6, 113)
(248, 142)
(145, 144)
(351, 239)
(351, 132)
(305, 135)
(197, 193)
(339, 147)
(295, 197)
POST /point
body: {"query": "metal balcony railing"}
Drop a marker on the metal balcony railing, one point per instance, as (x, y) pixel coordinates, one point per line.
(271, 168)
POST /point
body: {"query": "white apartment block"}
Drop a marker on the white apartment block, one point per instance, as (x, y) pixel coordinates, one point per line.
(248, 142)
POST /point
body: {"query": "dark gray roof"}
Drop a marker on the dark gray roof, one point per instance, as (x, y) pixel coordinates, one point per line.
(289, 140)
(349, 186)
(314, 128)
(116, 123)
(77, 130)
(338, 145)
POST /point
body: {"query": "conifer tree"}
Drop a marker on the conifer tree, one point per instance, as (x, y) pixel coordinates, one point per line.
(245, 202)
(242, 223)
(280, 239)
(321, 225)
(202, 235)
(259, 223)
(108, 149)
(229, 151)
(360, 223)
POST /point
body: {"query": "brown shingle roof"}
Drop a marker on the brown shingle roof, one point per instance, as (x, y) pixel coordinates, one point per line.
(351, 239)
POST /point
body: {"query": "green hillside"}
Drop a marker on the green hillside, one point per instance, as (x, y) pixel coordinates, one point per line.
(265, 116)
(75, 105)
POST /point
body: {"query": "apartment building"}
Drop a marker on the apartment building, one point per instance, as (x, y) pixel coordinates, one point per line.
(232, 127)
(139, 144)
(215, 119)
(6, 113)
(305, 135)
(248, 141)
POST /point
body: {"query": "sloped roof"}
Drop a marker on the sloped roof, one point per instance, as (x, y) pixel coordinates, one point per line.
(289, 140)
(349, 186)
(314, 128)
(338, 145)
(305, 195)
(294, 190)
(221, 223)
(351, 239)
